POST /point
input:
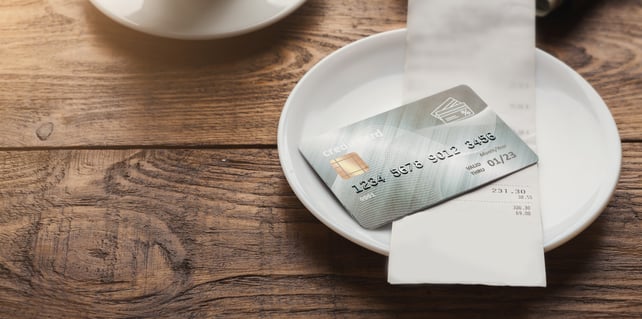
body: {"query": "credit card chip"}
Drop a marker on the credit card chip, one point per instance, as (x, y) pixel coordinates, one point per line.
(349, 165)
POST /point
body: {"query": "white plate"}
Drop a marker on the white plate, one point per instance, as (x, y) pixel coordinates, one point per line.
(196, 19)
(578, 142)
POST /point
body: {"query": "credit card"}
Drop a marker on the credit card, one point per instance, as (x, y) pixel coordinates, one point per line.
(415, 156)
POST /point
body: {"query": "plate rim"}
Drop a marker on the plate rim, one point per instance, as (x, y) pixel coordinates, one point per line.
(609, 127)
(100, 5)
(576, 228)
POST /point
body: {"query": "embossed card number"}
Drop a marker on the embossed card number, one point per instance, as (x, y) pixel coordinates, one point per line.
(435, 158)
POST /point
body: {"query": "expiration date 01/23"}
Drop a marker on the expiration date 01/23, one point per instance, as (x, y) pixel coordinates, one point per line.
(500, 159)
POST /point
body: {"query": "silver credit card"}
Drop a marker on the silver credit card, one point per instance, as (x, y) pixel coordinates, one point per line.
(415, 156)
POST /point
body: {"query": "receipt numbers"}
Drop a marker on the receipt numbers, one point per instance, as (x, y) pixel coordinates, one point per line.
(519, 196)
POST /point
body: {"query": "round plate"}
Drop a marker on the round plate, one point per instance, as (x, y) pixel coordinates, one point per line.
(196, 19)
(578, 142)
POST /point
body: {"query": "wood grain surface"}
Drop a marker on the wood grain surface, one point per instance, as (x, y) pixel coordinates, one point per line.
(139, 176)
(66, 68)
(204, 233)
(120, 87)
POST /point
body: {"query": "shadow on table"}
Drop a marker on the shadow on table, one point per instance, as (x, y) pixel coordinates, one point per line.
(157, 52)
(562, 23)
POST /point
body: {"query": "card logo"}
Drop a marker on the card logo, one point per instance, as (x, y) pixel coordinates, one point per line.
(452, 110)
(349, 165)
(344, 147)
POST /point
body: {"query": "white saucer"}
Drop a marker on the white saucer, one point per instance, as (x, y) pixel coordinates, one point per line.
(196, 19)
(578, 142)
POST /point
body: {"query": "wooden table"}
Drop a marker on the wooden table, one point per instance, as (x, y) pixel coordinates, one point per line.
(139, 176)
